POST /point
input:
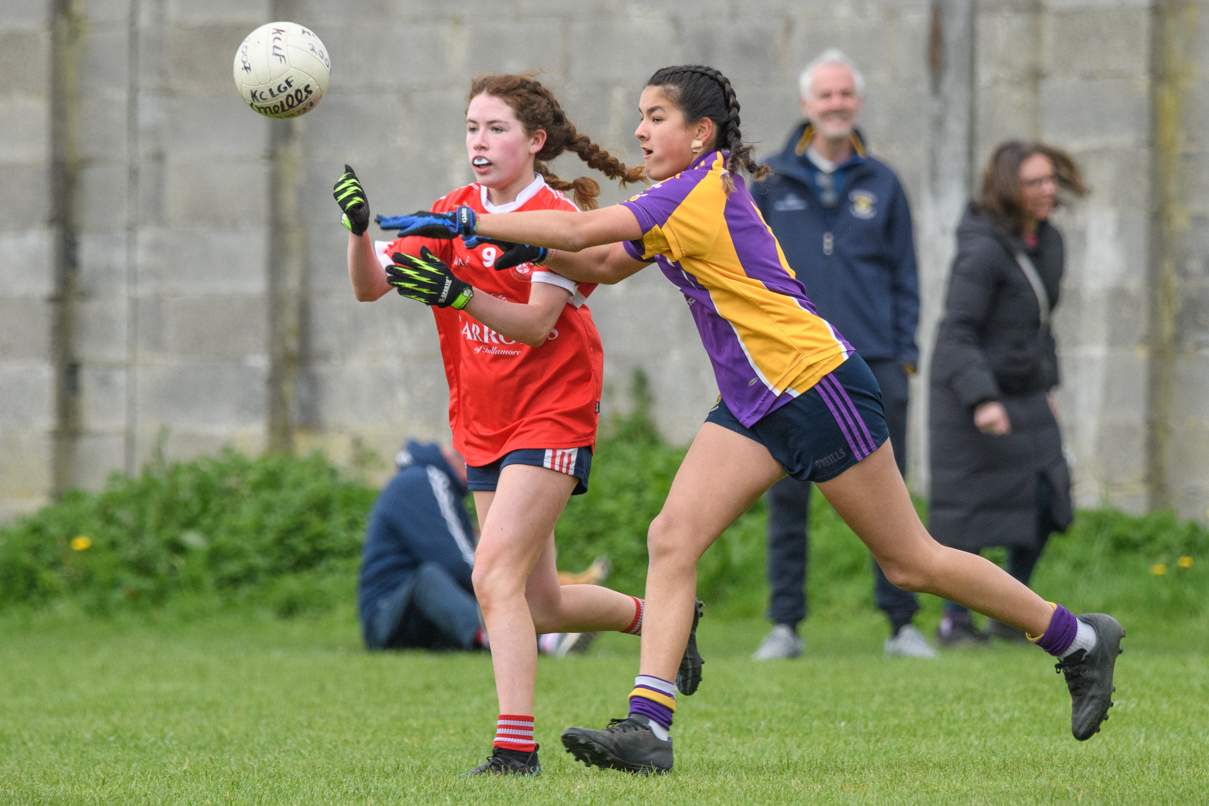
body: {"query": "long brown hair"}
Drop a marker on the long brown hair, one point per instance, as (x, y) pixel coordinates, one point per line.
(538, 110)
(1001, 196)
(700, 92)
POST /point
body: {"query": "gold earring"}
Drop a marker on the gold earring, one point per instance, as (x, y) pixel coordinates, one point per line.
(696, 146)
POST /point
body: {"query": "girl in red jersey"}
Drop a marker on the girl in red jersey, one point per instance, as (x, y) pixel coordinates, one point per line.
(795, 400)
(524, 365)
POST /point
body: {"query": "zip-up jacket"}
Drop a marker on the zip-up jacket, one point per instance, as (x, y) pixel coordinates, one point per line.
(419, 517)
(858, 261)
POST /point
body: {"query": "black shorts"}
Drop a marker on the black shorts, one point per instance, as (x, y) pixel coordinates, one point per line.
(575, 462)
(826, 430)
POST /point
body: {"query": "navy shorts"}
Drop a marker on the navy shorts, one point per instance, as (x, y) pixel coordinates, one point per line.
(819, 434)
(575, 462)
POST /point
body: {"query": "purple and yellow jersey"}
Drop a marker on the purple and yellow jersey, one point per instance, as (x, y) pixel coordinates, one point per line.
(765, 340)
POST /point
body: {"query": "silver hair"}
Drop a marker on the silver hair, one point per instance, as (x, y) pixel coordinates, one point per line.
(830, 56)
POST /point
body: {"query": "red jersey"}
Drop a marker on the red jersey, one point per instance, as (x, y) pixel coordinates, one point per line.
(505, 395)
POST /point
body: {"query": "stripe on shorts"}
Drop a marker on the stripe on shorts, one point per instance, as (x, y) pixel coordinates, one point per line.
(846, 415)
(561, 459)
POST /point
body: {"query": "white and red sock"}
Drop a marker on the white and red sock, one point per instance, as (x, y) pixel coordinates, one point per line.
(515, 732)
(635, 627)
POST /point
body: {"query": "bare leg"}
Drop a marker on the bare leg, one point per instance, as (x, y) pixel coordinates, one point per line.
(873, 500)
(516, 521)
(722, 475)
(573, 608)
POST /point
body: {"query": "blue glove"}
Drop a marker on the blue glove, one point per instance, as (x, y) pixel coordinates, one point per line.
(427, 224)
(512, 254)
(427, 279)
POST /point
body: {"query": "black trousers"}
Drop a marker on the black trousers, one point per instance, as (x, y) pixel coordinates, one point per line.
(789, 521)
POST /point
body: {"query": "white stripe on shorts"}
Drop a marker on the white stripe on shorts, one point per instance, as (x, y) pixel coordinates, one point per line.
(561, 459)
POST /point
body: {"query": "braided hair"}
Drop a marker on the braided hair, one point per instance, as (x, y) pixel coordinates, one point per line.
(538, 110)
(703, 92)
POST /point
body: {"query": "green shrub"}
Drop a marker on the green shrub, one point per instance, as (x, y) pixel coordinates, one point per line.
(284, 533)
(214, 525)
(1109, 560)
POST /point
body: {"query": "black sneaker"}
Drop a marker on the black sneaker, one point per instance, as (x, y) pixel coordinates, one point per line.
(503, 761)
(1006, 632)
(689, 676)
(626, 744)
(1089, 676)
(960, 631)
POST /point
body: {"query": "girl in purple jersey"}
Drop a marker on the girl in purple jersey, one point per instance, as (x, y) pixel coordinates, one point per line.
(795, 400)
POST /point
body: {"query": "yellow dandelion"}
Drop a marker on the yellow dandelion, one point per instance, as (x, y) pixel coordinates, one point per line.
(1158, 569)
(1184, 562)
(80, 543)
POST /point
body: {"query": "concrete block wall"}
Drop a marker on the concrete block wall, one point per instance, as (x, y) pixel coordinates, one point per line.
(200, 289)
(28, 379)
(1180, 263)
(206, 302)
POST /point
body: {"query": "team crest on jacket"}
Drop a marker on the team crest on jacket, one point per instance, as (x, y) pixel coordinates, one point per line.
(863, 203)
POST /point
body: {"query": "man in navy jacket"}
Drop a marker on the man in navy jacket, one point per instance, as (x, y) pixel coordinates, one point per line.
(414, 589)
(843, 221)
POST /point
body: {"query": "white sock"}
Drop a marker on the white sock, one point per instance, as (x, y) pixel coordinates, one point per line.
(1085, 638)
(661, 733)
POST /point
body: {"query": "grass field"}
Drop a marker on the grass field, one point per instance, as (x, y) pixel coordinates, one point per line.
(188, 637)
(239, 708)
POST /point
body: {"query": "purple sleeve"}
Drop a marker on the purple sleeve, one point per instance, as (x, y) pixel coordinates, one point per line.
(635, 249)
(645, 219)
(655, 205)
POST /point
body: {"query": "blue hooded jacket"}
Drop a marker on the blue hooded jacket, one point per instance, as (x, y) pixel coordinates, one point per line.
(419, 517)
(857, 260)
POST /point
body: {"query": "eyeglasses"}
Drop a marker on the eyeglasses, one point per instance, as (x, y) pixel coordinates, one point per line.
(1039, 181)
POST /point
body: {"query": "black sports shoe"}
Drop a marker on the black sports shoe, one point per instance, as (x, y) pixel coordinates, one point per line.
(960, 631)
(626, 744)
(503, 761)
(1089, 676)
(689, 676)
(997, 629)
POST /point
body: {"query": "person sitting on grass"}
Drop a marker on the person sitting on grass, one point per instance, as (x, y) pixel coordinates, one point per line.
(414, 589)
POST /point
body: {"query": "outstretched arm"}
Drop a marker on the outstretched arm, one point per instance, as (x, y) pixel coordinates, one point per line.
(562, 229)
(600, 264)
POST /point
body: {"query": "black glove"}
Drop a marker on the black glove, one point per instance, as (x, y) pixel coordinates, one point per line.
(351, 198)
(427, 279)
(512, 254)
(427, 224)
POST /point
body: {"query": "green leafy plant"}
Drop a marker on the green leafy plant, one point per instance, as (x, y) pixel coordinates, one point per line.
(283, 534)
(216, 524)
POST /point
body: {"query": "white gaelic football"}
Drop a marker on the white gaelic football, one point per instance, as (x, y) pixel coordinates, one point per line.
(282, 70)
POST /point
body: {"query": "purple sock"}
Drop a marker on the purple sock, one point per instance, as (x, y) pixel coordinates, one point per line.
(656, 712)
(654, 698)
(1060, 633)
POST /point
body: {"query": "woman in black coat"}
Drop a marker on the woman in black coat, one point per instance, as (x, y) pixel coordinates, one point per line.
(998, 476)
